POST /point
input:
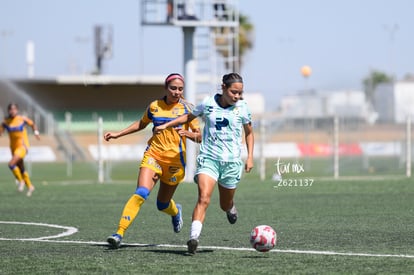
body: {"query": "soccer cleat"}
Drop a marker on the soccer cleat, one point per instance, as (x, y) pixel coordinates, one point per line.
(192, 246)
(21, 186)
(177, 220)
(232, 215)
(114, 241)
(30, 191)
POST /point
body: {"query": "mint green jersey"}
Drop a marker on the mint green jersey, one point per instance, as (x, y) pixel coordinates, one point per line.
(223, 129)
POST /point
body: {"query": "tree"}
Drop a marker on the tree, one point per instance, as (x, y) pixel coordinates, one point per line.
(245, 38)
(372, 81)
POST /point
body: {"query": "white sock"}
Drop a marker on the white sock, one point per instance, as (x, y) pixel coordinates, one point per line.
(195, 232)
(232, 209)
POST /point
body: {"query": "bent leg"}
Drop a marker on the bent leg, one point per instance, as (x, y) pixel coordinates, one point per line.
(25, 175)
(13, 165)
(165, 203)
(226, 198)
(227, 203)
(231, 173)
(26, 178)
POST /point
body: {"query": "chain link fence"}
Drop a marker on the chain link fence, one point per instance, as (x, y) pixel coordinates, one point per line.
(332, 147)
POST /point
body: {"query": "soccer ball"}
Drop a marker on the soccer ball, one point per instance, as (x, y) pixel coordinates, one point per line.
(263, 238)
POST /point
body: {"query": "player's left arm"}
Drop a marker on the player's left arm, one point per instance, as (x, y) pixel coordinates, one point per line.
(249, 137)
(33, 125)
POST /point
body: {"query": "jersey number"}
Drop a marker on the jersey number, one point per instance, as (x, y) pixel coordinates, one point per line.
(221, 122)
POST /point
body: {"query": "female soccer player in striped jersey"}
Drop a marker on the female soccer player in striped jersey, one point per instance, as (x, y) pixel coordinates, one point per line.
(164, 158)
(225, 116)
(15, 125)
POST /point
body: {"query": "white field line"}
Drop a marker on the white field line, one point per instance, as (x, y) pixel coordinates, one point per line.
(72, 230)
(289, 251)
(69, 230)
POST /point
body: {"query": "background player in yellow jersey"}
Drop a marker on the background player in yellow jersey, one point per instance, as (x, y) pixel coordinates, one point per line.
(164, 158)
(15, 125)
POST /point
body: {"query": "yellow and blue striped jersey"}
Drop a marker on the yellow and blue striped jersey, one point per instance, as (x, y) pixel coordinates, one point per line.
(16, 127)
(168, 145)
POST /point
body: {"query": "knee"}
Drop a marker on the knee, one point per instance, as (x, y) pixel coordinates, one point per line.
(13, 166)
(204, 200)
(142, 192)
(162, 205)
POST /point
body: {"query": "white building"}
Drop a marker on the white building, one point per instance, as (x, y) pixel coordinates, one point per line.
(394, 101)
(323, 104)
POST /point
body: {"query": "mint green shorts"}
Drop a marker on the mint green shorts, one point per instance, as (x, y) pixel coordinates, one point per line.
(227, 174)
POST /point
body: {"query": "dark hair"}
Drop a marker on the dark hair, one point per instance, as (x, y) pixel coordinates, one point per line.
(11, 104)
(231, 78)
(173, 76)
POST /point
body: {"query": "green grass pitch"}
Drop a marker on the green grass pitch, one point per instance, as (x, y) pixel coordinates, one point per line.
(368, 223)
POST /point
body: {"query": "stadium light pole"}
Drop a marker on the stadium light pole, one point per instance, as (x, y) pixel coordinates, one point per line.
(150, 15)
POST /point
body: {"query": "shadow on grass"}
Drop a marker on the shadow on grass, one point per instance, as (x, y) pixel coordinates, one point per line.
(124, 246)
(264, 256)
(159, 250)
(179, 252)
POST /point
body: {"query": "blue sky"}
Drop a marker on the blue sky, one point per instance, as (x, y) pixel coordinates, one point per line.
(341, 40)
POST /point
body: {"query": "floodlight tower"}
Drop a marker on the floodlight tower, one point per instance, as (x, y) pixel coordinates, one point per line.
(103, 49)
(220, 18)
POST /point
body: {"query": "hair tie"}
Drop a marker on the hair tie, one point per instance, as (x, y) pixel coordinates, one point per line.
(172, 77)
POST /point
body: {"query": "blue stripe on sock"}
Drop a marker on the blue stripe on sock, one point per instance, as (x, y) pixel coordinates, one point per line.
(143, 192)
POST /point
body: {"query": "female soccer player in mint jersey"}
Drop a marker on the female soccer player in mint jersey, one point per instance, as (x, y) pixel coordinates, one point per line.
(225, 116)
(15, 125)
(164, 158)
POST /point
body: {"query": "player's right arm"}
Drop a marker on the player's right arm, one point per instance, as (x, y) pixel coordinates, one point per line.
(1, 129)
(134, 127)
(32, 124)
